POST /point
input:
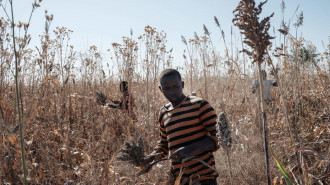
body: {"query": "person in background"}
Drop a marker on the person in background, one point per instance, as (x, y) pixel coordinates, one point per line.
(268, 84)
(126, 102)
(267, 87)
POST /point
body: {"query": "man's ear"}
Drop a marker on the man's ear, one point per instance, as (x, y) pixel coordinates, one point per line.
(182, 84)
(160, 88)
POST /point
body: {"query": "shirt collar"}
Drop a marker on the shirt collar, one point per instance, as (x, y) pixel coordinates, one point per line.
(169, 106)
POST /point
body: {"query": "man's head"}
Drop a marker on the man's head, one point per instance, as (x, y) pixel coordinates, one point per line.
(123, 86)
(171, 85)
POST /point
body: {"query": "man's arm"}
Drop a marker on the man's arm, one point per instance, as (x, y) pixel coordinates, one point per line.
(161, 150)
(117, 106)
(207, 144)
(209, 121)
(101, 99)
(162, 145)
(275, 83)
(254, 86)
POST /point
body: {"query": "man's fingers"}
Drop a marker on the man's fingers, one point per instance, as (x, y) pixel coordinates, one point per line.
(176, 156)
(180, 154)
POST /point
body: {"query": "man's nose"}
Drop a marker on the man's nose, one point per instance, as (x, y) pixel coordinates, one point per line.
(172, 91)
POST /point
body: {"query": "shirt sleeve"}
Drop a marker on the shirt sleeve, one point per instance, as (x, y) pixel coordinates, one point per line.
(255, 84)
(273, 82)
(162, 144)
(208, 119)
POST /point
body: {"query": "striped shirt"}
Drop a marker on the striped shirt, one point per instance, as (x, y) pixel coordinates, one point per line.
(191, 121)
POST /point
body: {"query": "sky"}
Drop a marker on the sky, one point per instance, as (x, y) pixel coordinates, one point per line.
(102, 22)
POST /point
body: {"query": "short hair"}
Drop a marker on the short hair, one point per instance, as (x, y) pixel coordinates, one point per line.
(123, 86)
(169, 72)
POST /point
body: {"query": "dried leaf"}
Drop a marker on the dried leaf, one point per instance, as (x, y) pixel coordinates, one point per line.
(275, 180)
(12, 139)
(55, 82)
(178, 179)
(58, 134)
(4, 142)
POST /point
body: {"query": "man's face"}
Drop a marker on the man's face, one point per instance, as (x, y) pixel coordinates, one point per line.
(171, 87)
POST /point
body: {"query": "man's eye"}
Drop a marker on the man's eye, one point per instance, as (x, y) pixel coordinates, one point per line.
(171, 88)
(167, 89)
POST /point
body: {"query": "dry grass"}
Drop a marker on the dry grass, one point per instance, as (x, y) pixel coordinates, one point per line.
(70, 139)
(78, 140)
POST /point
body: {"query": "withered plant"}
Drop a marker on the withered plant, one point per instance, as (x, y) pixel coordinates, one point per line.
(70, 139)
(257, 38)
(18, 49)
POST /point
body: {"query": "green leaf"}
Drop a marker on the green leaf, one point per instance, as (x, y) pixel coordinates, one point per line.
(281, 168)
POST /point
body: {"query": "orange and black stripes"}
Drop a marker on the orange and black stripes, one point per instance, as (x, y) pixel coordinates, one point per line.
(192, 121)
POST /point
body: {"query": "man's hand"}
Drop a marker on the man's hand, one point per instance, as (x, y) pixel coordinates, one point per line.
(206, 144)
(101, 98)
(114, 101)
(181, 153)
(148, 159)
(132, 152)
(145, 169)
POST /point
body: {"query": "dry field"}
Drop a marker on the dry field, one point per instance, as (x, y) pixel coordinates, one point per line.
(70, 139)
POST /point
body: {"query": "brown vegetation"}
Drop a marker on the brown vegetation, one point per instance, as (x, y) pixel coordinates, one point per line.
(70, 139)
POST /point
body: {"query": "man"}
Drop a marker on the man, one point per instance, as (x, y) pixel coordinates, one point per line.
(267, 87)
(126, 102)
(187, 128)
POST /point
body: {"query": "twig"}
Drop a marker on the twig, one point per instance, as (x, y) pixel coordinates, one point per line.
(201, 161)
(229, 165)
(18, 94)
(306, 149)
(6, 13)
(149, 166)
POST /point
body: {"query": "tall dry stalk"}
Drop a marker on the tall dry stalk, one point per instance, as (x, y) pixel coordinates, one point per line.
(67, 136)
(17, 54)
(191, 61)
(204, 59)
(284, 30)
(156, 57)
(297, 87)
(18, 94)
(297, 95)
(257, 38)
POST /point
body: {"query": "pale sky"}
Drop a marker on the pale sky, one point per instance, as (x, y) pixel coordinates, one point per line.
(101, 22)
